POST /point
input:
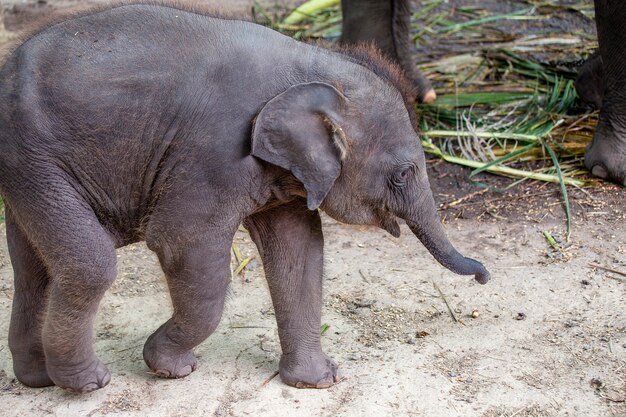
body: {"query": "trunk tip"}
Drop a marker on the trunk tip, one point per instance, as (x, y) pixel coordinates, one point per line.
(483, 276)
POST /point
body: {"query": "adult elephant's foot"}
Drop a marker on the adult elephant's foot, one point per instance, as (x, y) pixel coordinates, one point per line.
(311, 370)
(166, 358)
(87, 376)
(606, 156)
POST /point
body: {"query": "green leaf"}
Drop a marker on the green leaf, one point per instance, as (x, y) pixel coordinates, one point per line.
(470, 99)
(559, 174)
(307, 9)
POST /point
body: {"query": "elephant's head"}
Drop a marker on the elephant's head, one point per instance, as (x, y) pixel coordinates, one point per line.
(357, 155)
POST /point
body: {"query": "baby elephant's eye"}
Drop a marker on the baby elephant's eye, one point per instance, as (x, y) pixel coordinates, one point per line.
(402, 175)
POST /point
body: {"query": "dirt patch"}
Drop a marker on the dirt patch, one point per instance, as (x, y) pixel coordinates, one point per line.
(125, 401)
(527, 411)
(460, 197)
(379, 324)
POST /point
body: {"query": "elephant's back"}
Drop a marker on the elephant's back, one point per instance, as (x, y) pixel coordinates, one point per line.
(113, 84)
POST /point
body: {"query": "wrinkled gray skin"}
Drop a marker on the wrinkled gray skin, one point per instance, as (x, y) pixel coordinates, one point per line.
(602, 82)
(589, 85)
(151, 123)
(385, 23)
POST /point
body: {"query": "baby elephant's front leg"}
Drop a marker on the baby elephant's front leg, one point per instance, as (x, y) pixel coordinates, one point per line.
(198, 279)
(290, 242)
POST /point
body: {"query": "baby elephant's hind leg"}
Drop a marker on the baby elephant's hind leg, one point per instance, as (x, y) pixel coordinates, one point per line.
(31, 280)
(80, 258)
(198, 277)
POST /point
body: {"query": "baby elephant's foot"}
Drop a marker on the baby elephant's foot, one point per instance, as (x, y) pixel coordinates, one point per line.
(314, 370)
(166, 359)
(86, 377)
(32, 372)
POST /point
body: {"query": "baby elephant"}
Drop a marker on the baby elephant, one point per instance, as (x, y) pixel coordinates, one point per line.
(146, 122)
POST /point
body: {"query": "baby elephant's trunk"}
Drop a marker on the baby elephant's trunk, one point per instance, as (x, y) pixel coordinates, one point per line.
(446, 255)
(432, 235)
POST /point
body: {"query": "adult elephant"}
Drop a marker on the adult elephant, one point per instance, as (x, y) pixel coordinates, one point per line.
(387, 24)
(602, 82)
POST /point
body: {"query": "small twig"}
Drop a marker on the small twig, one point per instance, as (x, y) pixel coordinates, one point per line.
(517, 412)
(426, 292)
(267, 381)
(129, 348)
(604, 268)
(572, 352)
(495, 216)
(242, 265)
(586, 193)
(237, 253)
(443, 297)
(618, 279)
(606, 397)
(506, 198)
(464, 198)
(497, 359)
(5, 291)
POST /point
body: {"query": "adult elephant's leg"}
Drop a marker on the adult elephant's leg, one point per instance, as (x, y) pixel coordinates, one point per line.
(606, 157)
(589, 84)
(387, 24)
(289, 239)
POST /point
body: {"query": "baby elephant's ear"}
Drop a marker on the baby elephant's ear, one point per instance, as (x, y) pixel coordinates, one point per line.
(299, 130)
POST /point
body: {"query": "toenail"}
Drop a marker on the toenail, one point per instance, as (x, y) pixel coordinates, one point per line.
(599, 171)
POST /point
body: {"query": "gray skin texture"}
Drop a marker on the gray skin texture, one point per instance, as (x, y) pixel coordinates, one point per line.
(589, 85)
(151, 123)
(385, 23)
(602, 81)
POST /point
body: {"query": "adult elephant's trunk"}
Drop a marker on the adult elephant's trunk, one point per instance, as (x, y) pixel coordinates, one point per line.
(429, 230)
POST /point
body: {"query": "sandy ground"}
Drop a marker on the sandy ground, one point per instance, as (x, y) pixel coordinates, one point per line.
(549, 339)
(546, 337)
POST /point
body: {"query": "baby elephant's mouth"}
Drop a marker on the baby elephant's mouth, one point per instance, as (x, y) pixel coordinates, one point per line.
(387, 221)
